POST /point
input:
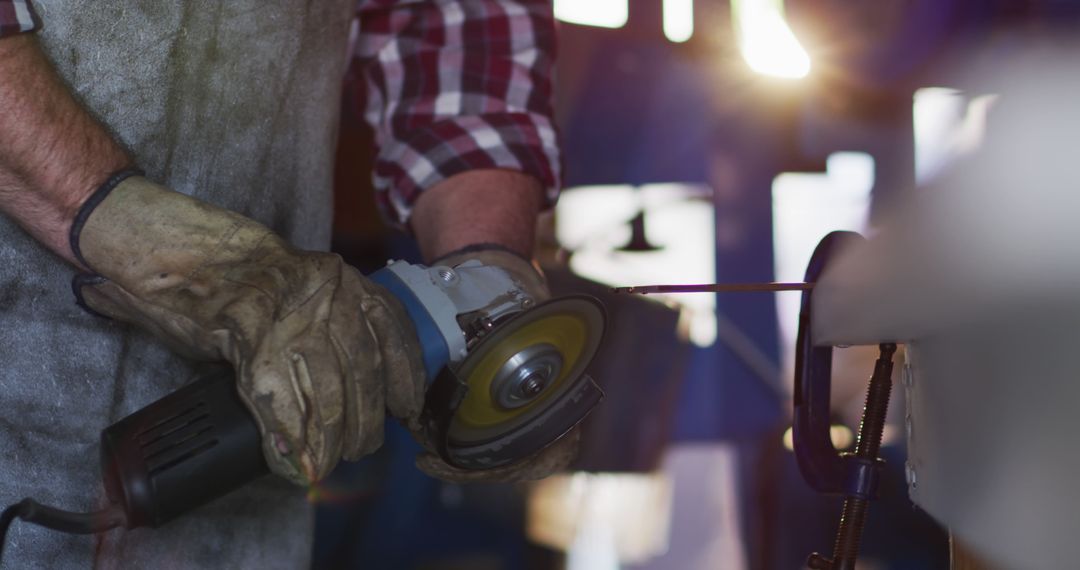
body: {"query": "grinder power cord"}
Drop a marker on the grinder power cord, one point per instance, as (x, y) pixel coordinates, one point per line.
(470, 354)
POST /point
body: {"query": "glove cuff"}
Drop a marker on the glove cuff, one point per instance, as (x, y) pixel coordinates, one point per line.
(87, 208)
(81, 280)
(91, 278)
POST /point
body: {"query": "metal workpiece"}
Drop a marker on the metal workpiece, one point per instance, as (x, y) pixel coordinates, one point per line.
(714, 288)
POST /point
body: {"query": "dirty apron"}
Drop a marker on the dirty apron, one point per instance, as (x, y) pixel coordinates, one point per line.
(235, 103)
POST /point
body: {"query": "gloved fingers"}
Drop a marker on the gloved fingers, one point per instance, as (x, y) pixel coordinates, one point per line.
(402, 366)
(281, 413)
(552, 459)
(294, 380)
(316, 382)
(297, 394)
(358, 350)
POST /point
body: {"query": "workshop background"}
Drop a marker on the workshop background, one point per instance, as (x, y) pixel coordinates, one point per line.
(704, 141)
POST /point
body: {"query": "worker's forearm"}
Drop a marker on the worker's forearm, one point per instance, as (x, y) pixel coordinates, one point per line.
(53, 154)
(476, 207)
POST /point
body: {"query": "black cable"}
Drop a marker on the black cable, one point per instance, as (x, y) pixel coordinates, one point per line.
(5, 522)
(31, 511)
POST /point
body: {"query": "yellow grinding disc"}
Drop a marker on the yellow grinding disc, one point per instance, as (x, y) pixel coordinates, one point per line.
(570, 327)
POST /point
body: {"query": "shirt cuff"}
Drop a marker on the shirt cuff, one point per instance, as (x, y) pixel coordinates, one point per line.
(17, 17)
(524, 142)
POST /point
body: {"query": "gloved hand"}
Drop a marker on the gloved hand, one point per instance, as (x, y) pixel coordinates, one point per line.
(551, 459)
(313, 342)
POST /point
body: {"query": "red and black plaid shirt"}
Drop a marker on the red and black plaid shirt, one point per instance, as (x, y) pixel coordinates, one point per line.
(17, 16)
(452, 85)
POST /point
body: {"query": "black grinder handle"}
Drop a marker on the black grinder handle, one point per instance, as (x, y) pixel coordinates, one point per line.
(182, 451)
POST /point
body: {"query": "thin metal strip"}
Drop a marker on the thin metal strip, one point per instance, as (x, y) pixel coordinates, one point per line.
(714, 288)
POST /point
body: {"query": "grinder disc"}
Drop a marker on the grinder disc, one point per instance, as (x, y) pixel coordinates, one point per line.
(525, 385)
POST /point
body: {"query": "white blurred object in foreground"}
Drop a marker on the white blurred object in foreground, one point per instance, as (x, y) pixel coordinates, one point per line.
(684, 516)
(601, 519)
(980, 274)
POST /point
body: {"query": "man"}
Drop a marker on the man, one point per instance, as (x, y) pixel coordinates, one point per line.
(230, 108)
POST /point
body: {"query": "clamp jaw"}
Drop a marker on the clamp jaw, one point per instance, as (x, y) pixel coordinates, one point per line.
(853, 475)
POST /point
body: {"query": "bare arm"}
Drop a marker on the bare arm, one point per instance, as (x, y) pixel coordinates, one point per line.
(479, 206)
(460, 96)
(53, 154)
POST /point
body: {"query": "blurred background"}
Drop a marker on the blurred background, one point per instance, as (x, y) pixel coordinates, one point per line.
(704, 141)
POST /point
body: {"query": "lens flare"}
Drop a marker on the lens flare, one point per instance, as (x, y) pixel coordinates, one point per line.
(599, 13)
(766, 41)
(678, 20)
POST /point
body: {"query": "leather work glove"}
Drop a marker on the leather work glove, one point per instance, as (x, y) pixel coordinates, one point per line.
(549, 460)
(314, 344)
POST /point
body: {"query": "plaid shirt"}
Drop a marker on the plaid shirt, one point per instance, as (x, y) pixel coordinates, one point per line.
(17, 16)
(452, 85)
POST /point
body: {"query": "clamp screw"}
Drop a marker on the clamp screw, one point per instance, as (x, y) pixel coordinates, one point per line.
(867, 447)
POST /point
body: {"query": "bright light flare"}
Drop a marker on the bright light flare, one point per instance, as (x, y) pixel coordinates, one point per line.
(599, 13)
(766, 41)
(678, 20)
(601, 519)
(842, 437)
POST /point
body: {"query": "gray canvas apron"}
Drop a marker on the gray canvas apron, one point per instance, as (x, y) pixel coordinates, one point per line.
(236, 103)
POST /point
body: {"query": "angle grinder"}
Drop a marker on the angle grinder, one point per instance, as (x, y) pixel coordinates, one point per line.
(506, 378)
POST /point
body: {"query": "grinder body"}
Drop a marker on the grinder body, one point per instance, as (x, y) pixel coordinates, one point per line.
(201, 442)
(182, 451)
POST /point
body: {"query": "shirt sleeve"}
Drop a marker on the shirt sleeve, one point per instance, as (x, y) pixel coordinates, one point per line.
(16, 17)
(453, 86)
